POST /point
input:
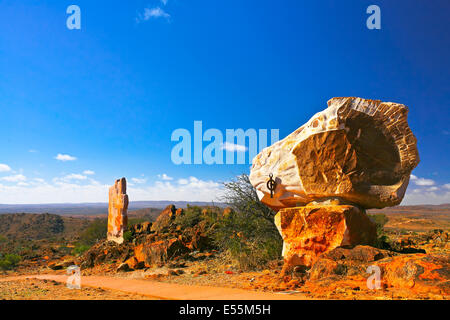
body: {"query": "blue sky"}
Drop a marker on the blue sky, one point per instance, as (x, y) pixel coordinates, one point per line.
(110, 95)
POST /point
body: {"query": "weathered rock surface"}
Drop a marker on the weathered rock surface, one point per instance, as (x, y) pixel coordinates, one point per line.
(418, 273)
(117, 211)
(165, 218)
(315, 229)
(358, 150)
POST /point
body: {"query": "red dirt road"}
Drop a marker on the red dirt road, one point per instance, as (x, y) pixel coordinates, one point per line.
(166, 291)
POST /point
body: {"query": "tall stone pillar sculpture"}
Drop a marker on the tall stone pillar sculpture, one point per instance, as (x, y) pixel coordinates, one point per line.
(117, 211)
(357, 154)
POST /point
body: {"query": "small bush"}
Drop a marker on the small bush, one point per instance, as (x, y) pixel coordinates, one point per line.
(380, 220)
(9, 261)
(127, 236)
(251, 241)
(80, 249)
(191, 217)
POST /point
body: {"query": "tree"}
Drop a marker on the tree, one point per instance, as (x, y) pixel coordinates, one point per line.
(249, 234)
(242, 197)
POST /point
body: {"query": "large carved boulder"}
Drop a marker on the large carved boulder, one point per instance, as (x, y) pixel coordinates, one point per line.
(357, 150)
(117, 211)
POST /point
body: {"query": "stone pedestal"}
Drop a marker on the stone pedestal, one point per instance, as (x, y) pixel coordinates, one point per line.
(312, 230)
(117, 211)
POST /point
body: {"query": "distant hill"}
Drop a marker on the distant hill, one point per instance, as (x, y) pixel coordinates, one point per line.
(94, 208)
(149, 214)
(39, 226)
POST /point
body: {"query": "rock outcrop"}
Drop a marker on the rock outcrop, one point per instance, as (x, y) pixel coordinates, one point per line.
(117, 211)
(315, 229)
(357, 150)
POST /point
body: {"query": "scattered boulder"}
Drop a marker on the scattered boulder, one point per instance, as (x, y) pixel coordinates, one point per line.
(165, 219)
(124, 267)
(179, 212)
(346, 261)
(142, 228)
(421, 273)
(159, 252)
(417, 272)
(105, 252)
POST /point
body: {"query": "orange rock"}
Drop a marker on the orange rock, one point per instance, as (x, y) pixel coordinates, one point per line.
(310, 231)
(165, 218)
(421, 273)
(227, 212)
(117, 212)
(158, 252)
(132, 263)
(179, 212)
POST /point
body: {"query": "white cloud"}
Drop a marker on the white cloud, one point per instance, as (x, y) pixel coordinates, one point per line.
(4, 168)
(67, 192)
(233, 147)
(422, 181)
(53, 193)
(139, 180)
(191, 189)
(164, 177)
(74, 176)
(154, 13)
(32, 151)
(15, 178)
(426, 196)
(426, 192)
(164, 2)
(65, 157)
(89, 172)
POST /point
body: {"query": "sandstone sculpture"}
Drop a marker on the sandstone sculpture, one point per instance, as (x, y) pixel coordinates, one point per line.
(117, 211)
(312, 230)
(354, 155)
(357, 150)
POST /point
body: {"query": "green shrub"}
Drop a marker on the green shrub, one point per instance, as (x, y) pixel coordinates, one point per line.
(191, 217)
(127, 236)
(9, 261)
(94, 232)
(134, 221)
(80, 249)
(380, 220)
